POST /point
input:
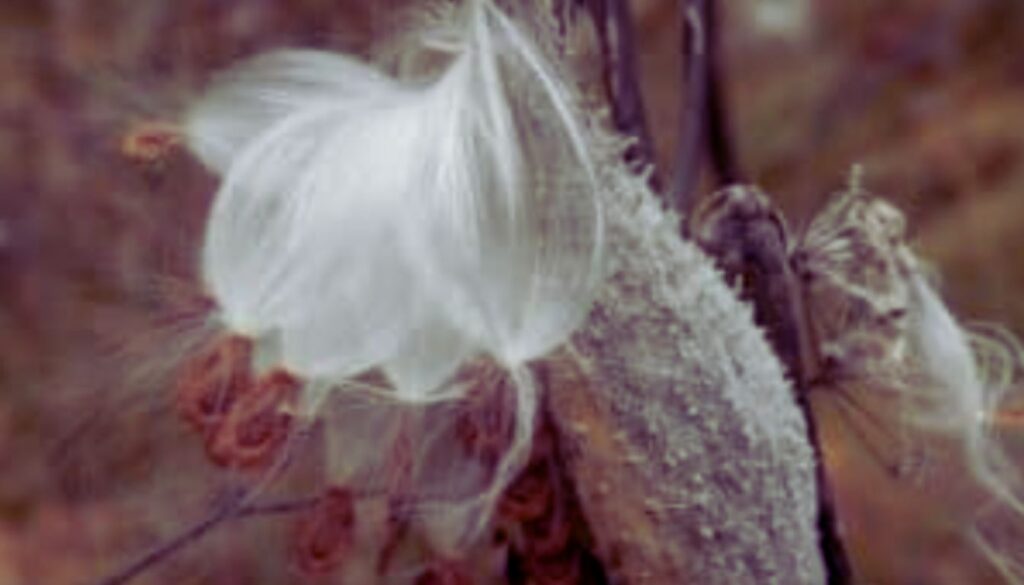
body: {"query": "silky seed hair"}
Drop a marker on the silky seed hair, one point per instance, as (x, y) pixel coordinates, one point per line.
(882, 326)
(408, 222)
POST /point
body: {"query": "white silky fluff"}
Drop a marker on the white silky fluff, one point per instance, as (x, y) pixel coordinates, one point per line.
(952, 379)
(967, 397)
(970, 374)
(406, 224)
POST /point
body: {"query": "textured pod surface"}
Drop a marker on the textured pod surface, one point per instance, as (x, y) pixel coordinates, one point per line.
(689, 453)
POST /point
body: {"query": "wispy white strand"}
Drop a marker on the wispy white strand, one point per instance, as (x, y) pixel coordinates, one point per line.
(526, 410)
(963, 397)
(457, 520)
(1011, 570)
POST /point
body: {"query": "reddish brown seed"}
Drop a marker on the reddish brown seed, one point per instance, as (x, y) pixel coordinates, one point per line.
(324, 536)
(485, 423)
(150, 141)
(549, 536)
(257, 424)
(1008, 418)
(561, 569)
(444, 573)
(211, 382)
(397, 526)
(529, 497)
(540, 507)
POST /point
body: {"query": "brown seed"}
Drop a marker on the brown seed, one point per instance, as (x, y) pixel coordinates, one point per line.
(257, 423)
(529, 497)
(150, 141)
(486, 422)
(444, 574)
(324, 536)
(211, 382)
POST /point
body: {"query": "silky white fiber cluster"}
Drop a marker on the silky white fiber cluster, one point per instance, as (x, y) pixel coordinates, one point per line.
(404, 222)
(971, 373)
(892, 329)
(367, 221)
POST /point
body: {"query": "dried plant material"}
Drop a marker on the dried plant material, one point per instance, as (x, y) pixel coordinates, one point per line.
(397, 248)
(856, 270)
(884, 330)
(882, 342)
(83, 232)
(484, 426)
(442, 459)
(150, 141)
(212, 380)
(749, 240)
(689, 455)
(257, 424)
(550, 542)
(324, 536)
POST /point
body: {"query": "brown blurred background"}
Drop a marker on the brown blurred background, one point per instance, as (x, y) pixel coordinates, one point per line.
(927, 94)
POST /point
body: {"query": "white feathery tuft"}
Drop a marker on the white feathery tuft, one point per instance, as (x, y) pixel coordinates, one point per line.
(371, 221)
(970, 373)
(405, 223)
(884, 322)
(246, 100)
(944, 353)
(966, 374)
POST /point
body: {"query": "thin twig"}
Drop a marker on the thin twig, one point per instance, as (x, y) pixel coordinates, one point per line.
(279, 507)
(614, 22)
(624, 82)
(230, 510)
(705, 129)
(693, 116)
(724, 159)
(192, 534)
(235, 506)
(838, 570)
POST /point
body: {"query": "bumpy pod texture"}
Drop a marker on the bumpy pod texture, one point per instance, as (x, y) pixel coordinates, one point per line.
(688, 451)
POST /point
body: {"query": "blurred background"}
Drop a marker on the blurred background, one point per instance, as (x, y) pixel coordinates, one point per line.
(927, 94)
